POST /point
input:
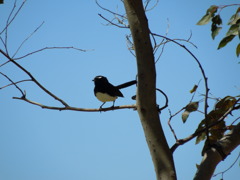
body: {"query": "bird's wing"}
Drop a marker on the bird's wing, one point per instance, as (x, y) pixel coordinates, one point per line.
(114, 91)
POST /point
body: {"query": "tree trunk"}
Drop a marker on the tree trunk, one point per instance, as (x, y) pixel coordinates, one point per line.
(146, 92)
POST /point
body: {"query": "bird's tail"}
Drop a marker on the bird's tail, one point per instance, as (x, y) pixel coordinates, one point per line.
(127, 84)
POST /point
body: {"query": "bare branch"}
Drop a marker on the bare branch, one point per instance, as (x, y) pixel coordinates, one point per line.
(14, 83)
(112, 22)
(6, 30)
(111, 12)
(222, 173)
(14, 16)
(48, 48)
(214, 154)
(130, 44)
(196, 133)
(169, 124)
(4, 63)
(23, 94)
(75, 108)
(25, 40)
(203, 74)
(147, 4)
(33, 79)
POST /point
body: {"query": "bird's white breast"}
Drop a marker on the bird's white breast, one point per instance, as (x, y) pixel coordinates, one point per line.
(105, 97)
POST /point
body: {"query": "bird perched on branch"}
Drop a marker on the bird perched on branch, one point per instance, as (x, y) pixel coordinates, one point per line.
(105, 91)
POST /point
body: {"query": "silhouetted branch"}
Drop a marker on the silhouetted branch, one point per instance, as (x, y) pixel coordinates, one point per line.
(147, 2)
(33, 79)
(48, 48)
(203, 74)
(196, 133)
(112, 23)
(111, 12)
(76, 108)
(23, 94)
(9, 21)
(14, 83)
(222, 173)
(120, 18)
(25, 40)
(169, 124)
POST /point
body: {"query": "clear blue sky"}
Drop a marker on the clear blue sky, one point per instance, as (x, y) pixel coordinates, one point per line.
(44, 144)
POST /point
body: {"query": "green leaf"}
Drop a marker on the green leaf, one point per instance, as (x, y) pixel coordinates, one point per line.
(234, 17)
(217, 20)
(225, 104)
(185, 115)
(238, 50)
(194, 89)
(192, 106)
(215, 32)
(208, 16)
(212, 9)
(200, 137)
(233, 30)
(225, 40)
(205, 19)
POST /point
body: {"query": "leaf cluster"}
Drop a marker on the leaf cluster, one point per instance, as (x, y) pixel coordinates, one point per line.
(215, 18)
(216, 118)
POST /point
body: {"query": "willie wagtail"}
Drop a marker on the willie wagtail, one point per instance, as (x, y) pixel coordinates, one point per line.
(105, 91)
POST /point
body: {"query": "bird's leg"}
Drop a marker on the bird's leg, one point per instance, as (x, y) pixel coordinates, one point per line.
(113, 104)
(102, 105)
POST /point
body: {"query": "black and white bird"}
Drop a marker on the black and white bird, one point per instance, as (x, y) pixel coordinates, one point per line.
(105, 91)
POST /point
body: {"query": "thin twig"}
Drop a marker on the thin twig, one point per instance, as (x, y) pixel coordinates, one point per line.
(4, 63)
(196, 133)
(169, 122)
(48, 48)
(235, 121)
(15, 83)
(195, 91)
(112, 22)
(203, 74)
(25, 40)
(105, 9)
(34, 80)
(23, 94)
(228, 167)
(10, 21)
(131, 45)
(147, 3)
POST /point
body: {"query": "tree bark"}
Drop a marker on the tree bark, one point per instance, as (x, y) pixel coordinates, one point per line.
(146, 92)
(212, 157)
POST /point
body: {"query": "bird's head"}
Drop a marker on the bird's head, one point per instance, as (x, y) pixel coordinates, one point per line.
(100, 79)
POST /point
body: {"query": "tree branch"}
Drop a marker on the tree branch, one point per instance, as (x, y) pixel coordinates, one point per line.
(203, 74)
(48, 48)
(212, 156)
(14, 83)
(76, 108)
(25, 40)
(196, 133)
(23, 94)
(33, 79)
